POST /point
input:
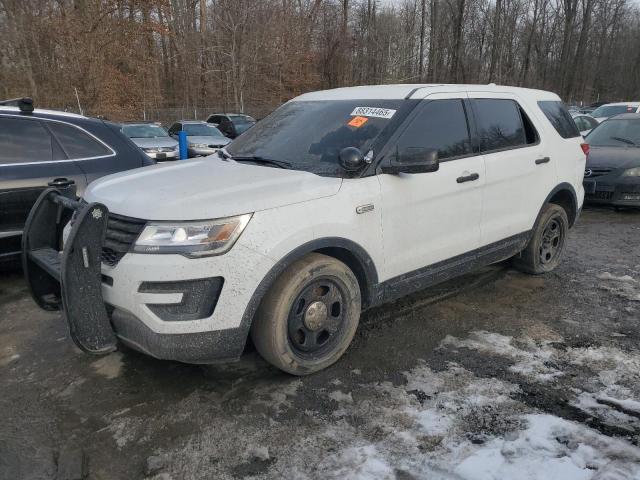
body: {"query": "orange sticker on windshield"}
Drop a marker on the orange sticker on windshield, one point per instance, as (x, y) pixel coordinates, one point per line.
(358, 121)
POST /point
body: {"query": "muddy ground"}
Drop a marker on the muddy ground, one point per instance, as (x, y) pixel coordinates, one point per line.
(496, 375)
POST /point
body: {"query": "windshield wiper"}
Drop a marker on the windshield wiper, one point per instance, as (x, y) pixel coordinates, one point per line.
(623, 140)
(259, 159)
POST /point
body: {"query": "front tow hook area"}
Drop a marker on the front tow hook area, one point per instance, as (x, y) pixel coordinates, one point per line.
(70, 280)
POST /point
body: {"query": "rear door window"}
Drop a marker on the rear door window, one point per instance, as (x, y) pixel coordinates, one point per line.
(76, 143)
(500, 125)
(560, 118)
(441, 124)
(25, 141)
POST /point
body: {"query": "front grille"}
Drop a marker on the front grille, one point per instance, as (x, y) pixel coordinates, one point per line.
(166, 149)
(596, 172)
(600, 196)
(121, 233)
(216, 146)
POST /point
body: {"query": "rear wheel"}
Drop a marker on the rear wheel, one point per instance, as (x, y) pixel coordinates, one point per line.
(308, 318)
(546, 247)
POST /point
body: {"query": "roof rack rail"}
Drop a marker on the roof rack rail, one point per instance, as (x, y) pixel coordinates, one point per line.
(25, 104)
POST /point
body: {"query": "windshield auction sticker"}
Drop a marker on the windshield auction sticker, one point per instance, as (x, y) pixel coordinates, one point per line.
(373, 112)
(357, 122)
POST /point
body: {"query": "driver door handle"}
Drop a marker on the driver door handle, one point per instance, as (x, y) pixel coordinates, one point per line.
(542, 160)
(468, 178)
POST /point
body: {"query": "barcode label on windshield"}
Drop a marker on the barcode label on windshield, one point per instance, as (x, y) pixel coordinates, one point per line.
(373, 112)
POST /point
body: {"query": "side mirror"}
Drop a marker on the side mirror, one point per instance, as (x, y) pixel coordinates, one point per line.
(351, 159)
(413, 160)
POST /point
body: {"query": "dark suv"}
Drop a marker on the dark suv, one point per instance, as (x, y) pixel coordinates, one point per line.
(39, 148)
(232, 124)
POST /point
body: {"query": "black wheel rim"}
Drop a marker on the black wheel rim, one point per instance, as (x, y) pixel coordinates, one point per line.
(552, 240)
(316, 316)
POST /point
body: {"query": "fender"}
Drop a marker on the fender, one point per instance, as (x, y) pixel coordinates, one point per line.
(364, 269)
(573, 215)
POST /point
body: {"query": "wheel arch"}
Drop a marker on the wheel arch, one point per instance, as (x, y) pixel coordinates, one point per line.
(347, 251)
(564, 195)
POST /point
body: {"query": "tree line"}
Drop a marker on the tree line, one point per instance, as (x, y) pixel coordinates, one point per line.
(127, 58)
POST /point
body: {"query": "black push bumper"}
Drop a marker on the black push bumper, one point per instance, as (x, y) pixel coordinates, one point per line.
(69, 280)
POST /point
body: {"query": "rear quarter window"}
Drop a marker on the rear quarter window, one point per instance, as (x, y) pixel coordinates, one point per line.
(76, 143)
(560, 118)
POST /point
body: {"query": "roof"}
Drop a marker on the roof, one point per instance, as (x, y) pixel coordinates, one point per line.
(416, 91)
(190, 121)
(626, 116)
(40, 111)
(629, 104)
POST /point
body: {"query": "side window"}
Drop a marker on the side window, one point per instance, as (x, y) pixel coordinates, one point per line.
(76, 143)
(175, 128)
(502, 124)
(215, 119)
(23, 141)
(591, 122)
(580, 123)
(441, 124)
(557, 114)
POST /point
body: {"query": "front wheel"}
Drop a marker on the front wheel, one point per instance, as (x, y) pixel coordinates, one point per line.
(548, 241)
(309, 316)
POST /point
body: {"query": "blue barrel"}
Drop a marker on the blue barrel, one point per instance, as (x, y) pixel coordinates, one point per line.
(182, 141)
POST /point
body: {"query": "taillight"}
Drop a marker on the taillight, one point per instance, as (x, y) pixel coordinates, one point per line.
(585, 148)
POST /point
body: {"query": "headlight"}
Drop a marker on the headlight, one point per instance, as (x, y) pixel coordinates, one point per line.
(150, 150)
(632, 172)
(192, 239)
(199, 145)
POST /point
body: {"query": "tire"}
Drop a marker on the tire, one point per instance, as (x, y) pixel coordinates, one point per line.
(547, 244)
(309, 316)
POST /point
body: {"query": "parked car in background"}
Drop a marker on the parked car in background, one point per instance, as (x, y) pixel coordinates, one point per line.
(232, 124)
(338, 201)
(590, 108)
(612, 174)
(152, 140)
(610, 109)
(585, 123)
(202, 138)
(41, 148)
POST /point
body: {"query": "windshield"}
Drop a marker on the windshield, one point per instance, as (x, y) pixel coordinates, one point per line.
(310, 134)
(611, 110)
(201, 130)
(144, 131)
(616, 133)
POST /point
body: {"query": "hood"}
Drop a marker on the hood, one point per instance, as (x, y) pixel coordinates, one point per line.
(206, 188)
(154, 142)
(208, 140)
(613, 157)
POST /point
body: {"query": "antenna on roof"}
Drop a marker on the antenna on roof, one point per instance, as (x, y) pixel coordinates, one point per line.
(25, 104)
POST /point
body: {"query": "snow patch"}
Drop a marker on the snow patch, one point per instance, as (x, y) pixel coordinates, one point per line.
(623, 286)
(532, 359)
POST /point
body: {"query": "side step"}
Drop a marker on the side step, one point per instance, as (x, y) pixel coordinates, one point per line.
(47, 259)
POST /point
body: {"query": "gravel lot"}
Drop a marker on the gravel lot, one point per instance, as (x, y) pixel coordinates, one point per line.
(497, 375)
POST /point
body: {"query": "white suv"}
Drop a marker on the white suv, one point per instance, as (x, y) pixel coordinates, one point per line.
(338, 201)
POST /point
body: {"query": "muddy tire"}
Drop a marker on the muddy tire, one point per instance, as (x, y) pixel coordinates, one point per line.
(548, 241)
(309, 316)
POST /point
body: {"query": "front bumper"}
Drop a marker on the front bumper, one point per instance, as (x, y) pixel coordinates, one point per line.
(618, 191)
(163, 156)
(201, 152)
(141, 300)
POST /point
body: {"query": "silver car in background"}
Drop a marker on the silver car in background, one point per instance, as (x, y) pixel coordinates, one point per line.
(202, 138)
(153, 140)
(584, 122)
